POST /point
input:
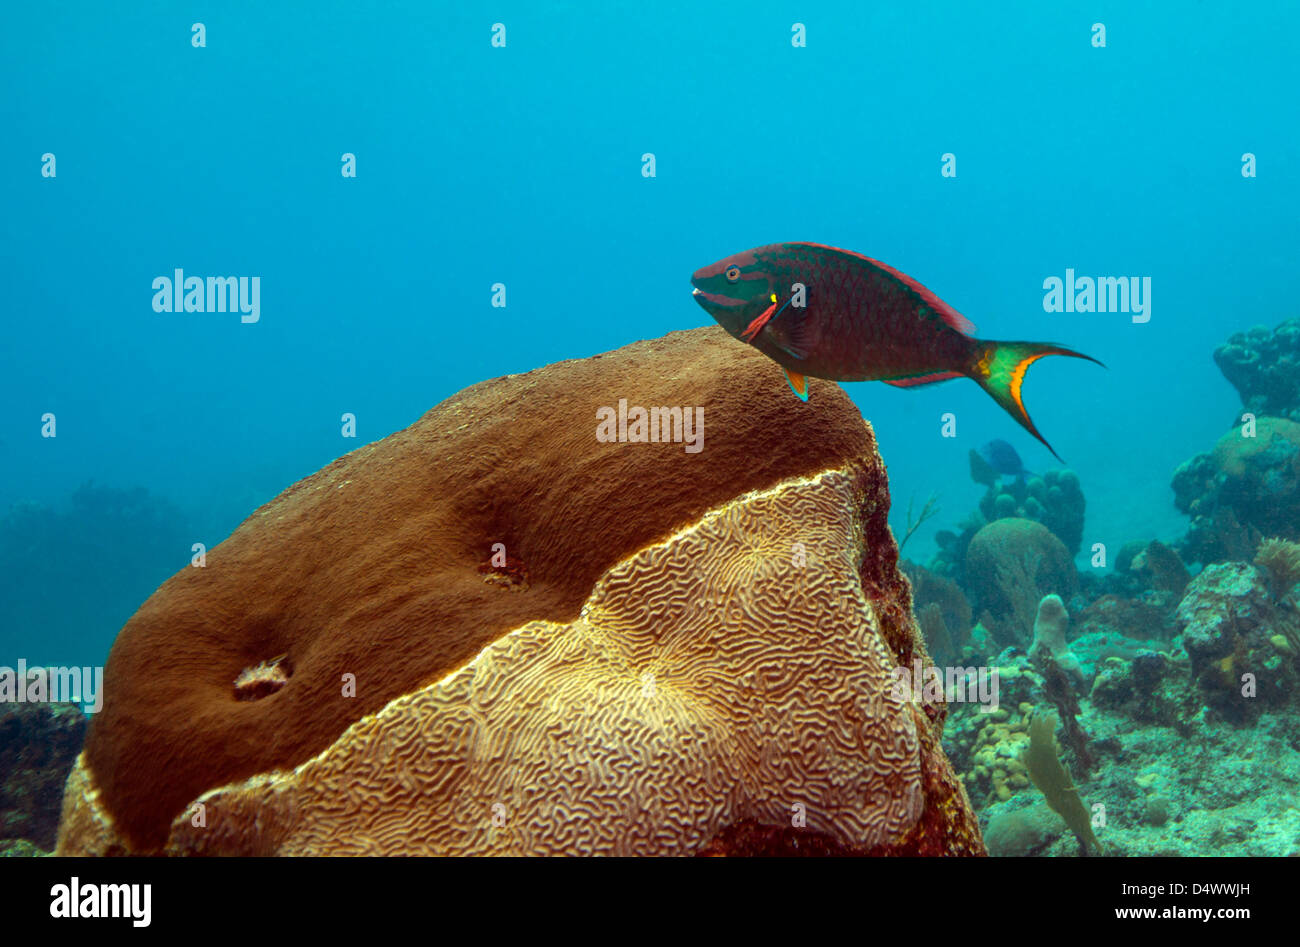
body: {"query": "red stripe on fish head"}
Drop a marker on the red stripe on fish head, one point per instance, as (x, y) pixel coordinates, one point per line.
(734, 289)
(742, 261)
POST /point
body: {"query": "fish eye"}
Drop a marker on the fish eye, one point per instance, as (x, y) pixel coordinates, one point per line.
(732, 273)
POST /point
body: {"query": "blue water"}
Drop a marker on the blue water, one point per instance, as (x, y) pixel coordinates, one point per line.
(522, 165)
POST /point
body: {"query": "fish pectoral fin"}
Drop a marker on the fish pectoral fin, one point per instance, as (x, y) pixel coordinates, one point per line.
(791, 337)
(798, 383)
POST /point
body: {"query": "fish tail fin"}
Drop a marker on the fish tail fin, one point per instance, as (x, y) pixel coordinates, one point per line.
(999, 368)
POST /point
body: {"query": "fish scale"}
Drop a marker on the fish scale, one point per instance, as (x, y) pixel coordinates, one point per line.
(865, 309)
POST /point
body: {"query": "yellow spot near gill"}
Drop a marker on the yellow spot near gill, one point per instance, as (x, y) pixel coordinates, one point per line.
(773, 297)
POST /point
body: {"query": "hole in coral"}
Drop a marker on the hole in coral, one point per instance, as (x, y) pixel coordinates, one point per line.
(512, 575)
(263, 680)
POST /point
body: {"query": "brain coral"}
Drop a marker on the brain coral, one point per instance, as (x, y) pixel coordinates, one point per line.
(1010, 565)
(698, 661)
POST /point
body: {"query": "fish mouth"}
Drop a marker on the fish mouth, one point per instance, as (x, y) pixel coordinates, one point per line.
(716, 299)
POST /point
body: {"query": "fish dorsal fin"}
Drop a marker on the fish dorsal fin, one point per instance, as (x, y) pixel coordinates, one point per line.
(945, 312)
(920, 379)
(798, 384)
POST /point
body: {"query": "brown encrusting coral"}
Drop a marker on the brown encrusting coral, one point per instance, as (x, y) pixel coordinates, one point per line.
(702, 652)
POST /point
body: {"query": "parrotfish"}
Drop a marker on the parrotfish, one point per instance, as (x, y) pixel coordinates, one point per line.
(994, 459)
(822, 312)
